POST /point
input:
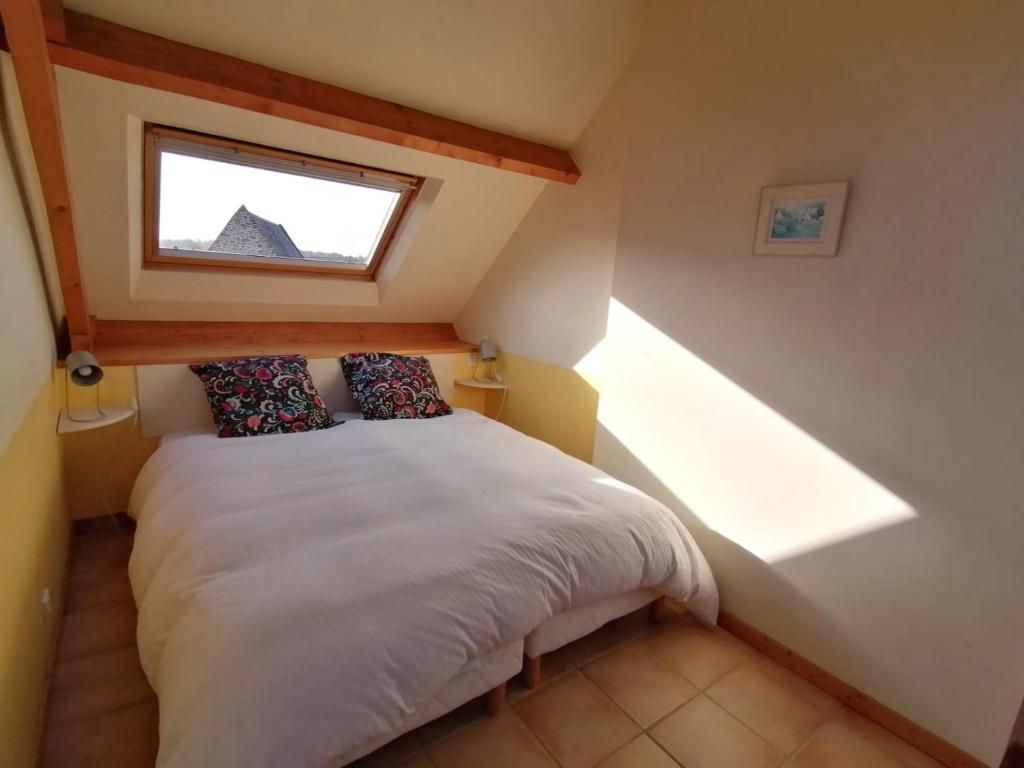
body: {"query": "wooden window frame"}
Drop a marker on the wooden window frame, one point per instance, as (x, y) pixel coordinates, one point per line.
(193, 260)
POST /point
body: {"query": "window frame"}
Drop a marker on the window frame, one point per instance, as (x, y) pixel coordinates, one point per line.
(153, 258)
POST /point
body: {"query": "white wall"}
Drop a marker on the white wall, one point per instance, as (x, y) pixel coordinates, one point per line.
(901, 358)
(546, 297)
(844, 436)
(26, 331)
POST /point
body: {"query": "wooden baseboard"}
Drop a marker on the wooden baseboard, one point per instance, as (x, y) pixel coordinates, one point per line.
(60, 608)
(873, 710)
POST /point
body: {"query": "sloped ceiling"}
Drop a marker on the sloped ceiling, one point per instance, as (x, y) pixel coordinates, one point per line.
(537, 69)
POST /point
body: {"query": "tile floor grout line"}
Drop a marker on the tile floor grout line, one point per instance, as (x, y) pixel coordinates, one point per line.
(811, 735)
(536, 738)
(643, 731)
(700, 691)
(608, 650)
(829, 716)
(583, 674)
(426, 747)
(785, 756)
(660, 748)
(614, 703)
(751, 659)
(674, 710)
(758, 656)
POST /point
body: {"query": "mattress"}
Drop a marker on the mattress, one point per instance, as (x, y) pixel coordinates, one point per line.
(311, 594)
(563, 628)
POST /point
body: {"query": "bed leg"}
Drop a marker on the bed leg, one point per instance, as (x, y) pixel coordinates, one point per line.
(496, 699)
(531, 672)
(658, 610)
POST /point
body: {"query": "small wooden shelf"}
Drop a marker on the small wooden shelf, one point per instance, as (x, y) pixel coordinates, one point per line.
(147, 342)
(481, 384)
(111, 415)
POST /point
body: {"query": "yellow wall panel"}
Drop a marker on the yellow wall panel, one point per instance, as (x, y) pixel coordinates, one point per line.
(545, 401)
(101, 464)
(33, 554)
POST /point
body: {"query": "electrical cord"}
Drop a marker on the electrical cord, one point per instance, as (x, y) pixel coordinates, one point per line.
(501, 407)
(504, 389)
(114, 465)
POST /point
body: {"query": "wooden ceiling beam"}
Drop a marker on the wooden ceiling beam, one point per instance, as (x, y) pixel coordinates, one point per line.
(160, 342)
(110, 50)
(25, 33)
(53, 21)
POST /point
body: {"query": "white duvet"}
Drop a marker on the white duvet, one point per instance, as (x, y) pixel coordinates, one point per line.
(300, 596)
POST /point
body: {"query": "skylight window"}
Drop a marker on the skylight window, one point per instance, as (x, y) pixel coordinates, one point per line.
(222, 203)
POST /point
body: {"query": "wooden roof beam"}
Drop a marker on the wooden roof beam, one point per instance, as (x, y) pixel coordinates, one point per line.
(25, 32)
(142, 342)
(53, 21)
(121, 53)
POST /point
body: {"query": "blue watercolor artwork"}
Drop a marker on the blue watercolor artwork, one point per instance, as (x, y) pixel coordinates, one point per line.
(798, 220)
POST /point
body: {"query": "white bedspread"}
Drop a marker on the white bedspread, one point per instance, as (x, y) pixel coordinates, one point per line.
(301, 595)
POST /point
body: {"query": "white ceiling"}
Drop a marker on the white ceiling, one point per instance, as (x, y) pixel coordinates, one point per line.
(536, 69)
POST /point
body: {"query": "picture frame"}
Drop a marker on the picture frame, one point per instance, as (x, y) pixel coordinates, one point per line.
(801, 219)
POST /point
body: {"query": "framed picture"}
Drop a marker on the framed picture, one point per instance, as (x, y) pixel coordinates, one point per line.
(801, 220)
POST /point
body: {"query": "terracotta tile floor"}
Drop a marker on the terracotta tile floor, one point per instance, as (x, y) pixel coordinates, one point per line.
(101, 710)
(628, 696)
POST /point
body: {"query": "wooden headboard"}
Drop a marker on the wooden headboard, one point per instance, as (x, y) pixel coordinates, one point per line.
(171, 397)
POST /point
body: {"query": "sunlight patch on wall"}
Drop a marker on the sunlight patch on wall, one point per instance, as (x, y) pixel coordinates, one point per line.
(741, 467)
(590, 367)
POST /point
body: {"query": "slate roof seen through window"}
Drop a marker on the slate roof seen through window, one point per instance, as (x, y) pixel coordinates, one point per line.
(252, 235)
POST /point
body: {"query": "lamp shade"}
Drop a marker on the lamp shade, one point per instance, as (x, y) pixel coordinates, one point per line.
(84, 369)
(488, 350)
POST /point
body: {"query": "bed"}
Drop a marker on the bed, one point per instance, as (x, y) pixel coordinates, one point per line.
(305, 598)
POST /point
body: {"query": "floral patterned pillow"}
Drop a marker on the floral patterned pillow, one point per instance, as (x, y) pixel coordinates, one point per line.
(393, 386)
(262, 396)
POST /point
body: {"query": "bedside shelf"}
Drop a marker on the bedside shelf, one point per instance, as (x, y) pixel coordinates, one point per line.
(112, 415)
(481, 384)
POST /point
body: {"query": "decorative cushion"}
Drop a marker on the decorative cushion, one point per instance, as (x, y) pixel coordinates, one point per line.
(262, 396)
(393, 386)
